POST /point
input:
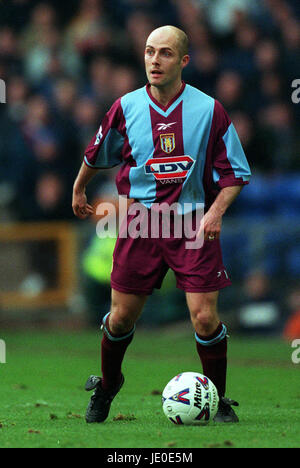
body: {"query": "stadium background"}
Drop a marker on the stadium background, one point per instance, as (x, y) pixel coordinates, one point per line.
(64, 64)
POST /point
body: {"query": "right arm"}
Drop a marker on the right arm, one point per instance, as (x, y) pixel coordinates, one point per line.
(80, 206)
(103, 151)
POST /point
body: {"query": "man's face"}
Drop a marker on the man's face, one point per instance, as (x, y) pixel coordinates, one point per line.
(163, 61)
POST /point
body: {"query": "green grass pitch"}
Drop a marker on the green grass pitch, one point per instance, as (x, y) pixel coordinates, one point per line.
(43, 402)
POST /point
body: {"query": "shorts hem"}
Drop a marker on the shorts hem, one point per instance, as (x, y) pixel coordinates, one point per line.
(127, 290)
(211, 288)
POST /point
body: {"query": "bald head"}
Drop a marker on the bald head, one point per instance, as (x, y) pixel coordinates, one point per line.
(165, 58)
(171, 33)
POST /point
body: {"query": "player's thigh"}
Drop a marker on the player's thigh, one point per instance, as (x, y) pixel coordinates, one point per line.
(125, 310)
(203, 307)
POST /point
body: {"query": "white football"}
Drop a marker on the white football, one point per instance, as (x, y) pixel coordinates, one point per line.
(190, 398)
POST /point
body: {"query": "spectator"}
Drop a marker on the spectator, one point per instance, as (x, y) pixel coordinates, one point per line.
(221, 17)
(267, 56)
(240, 55)
(204, 70)
(10, 50)
(64, 94)
(254, 142)
(90, 30)
(17, 94)
(229, 90)
(165, 11)
(51, 198)
(99, 83)
(15, 156)
(291, 48)
(123, 81)
(277, 120)
(50, 58)
(86, 117)
(138, 27)
(42, 20)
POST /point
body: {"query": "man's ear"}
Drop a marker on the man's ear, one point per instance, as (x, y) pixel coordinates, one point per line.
(185, 60)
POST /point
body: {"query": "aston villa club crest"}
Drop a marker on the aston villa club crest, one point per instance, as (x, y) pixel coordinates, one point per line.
(167, 142)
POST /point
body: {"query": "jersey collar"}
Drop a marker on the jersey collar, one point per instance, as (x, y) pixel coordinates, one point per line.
(164, 108)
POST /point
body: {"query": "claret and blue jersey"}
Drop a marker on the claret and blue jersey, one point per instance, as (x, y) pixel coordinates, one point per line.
(184, 152)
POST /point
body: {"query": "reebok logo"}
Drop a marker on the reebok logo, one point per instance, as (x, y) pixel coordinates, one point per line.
(162, 126)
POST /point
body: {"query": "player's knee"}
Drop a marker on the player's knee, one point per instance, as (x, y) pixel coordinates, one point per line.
(204, 316)
(120, 320)
(203, 321)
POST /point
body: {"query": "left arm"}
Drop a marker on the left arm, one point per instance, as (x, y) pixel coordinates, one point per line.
(211, 222)
(229, 170)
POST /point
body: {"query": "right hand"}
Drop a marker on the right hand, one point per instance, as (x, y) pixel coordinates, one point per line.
(80, 206)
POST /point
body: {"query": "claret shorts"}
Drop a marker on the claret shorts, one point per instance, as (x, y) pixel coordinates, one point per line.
(141, 263)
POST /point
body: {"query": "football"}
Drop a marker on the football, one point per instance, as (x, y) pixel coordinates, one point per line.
(191, 399)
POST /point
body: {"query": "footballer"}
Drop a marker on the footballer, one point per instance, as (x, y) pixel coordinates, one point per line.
(181, 127)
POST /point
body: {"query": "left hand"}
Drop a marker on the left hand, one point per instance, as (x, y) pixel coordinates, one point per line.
(210, 226)
(81, 208)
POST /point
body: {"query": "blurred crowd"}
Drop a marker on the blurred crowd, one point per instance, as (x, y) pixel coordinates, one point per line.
(64, 64)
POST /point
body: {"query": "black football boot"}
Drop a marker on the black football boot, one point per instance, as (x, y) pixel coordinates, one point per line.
(225, 412)
(99, 405)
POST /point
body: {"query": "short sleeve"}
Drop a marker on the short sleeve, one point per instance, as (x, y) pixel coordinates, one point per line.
(105, 148)
(230, 165)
